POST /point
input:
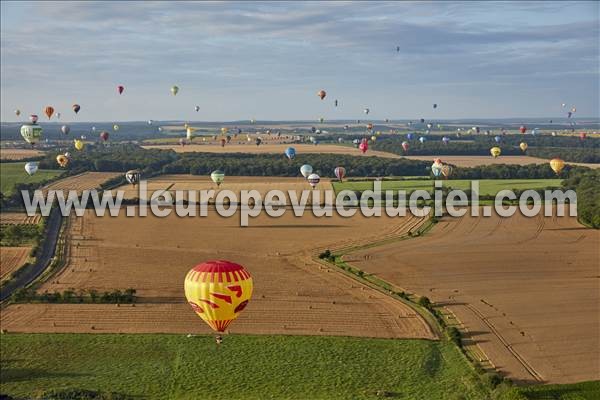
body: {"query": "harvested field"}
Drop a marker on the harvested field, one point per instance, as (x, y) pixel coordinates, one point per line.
(18, 154)
(15, 218)
(525, 289)
(270, 148)
(87, 180)
(293, 294)
(473, 161)
(11, 259)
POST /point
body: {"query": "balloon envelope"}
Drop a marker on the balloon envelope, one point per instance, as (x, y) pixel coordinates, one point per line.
(557, 165)
(313, 180)
(340, 173)
(49, 110)
(495, 151)
(306, 170)
(31, 168)
(217, 177)
(65, 129)
(290, 153)
(174, 90)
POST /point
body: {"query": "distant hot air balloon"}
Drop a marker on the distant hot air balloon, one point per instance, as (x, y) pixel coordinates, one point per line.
(582, 135)
(218, 291)
(49, 110)
(189, 133)
(174, 90)
(120, 89)
(321, 120)
(58, 115)
(373, 138)
(366, 111)
(446, 170)
(340, 173)
(182, 142)
(313, 180)
(523, 129)
(370, 127)
(31, 133)
(306, 170)
(335, 103)
(434, 106)
(150, 122)
(340, 140)
(78, 144)
(217, 177)
(495, 151)
(258, 141)
(133, 176)
(76, 108)
(18, 112)
(557, 165)
(497, 139)
(563, 105)
(410, 136)
(422, 120)
(363, 146)
(290, 153)
(104, 136)
(223, 141)
(321, 93)
(523, 146)
(65, 129)
(62, 160)
(31, 168)
(422, 139)
(445, 139)
(436, 168)
(115, 127)
(569, 114)
(224, 130)
(405, 146)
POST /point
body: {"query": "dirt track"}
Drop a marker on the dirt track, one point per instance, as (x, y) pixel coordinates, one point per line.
(293, 294)
(530, 282)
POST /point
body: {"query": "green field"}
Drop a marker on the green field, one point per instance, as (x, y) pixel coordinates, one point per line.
(487, 187)
(14, 173)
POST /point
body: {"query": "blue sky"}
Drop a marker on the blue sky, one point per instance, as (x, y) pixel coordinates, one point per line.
(267, 60)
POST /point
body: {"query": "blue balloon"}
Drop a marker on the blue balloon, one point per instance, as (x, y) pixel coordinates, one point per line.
(290, 152)
(498, 139)
(410, 136)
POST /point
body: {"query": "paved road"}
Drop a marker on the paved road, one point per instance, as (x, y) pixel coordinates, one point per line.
(45, 254)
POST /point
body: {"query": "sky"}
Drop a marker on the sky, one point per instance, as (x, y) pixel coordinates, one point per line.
(268, 60)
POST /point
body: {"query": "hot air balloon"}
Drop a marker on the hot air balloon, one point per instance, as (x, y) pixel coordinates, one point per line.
(497, 139)
(31, 168)
(189, 133)
(160, 129)
(557, 165)
(306, 170)
(313, 180)
(321, 93)
(363, 146)
(78, 144)
(370, 127)
(495, 151)
(223, 141)
(32, 133)
(104, 136)
(436, 168)
(582, 135)
(150, 122)
(62, 160)
(93, 129)
(258, 141)
(290, 153)
(133, 176)
(58, 115)
(434, 106)
(217, 177)
(422, 139)
(573, 110)
(373, 138)
(76, 108)
(224, 130)
(218, 291)
(340, 173)
(65, 129)
(49, 110)
(321, 120)
(445, 139)
(410, 136)
(446, 170)
(120, 89)
(335, 103)
(366, 111)
(197, 108)
(228, 138)
(563, 105)
(523, 146)
(429, 126)
(422, 120)
(569, 114)
(174, 90)
(18, 112)
(523, 129)
(182, 142)
(115, 127)
(340, 140)
(405, 146)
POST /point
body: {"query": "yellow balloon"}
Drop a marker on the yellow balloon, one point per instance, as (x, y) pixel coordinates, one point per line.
(218, 291)
(373, 138)
(79, 144)
(557, 165)
(523, 146)
(224, 130)
(495, 151)
(62, 160)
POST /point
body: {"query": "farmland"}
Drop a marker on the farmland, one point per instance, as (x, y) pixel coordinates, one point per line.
(12, 258)
(12, 174)
(84, 181)
(18, 154)
(525, 289)
(15, 218)
(473, 161)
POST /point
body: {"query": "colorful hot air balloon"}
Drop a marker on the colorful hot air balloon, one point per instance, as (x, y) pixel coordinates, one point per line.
(115, 127)
(62, 160)
(65, 129)
(306, 170)
(31, 133)
(217, 177)
(49, 110)
(76, 108)
(104, 136)
(523, 129)
(582, 135)
(340, 173)
(78, 144)
(445, 139)
(313, 180)
(133, 176)
(557, 165)
(174, 90)
(120, 89)
(363, 146)
(224, 130)
(405, 146)
(17, 112)
(290, 153)
(370, 127)
(523, 146)
(446, 170)
(258, 141)
(31, 168)
(223, 142)
(321, 93)
(495, 151)
(218, 291)
(436, 168)
(410, 136)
